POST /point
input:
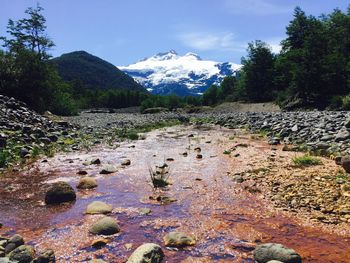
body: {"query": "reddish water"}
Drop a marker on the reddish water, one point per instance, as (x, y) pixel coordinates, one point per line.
(226, 220)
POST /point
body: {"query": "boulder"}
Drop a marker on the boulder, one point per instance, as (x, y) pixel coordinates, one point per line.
(14, 242)
(60, 192)
(22, 254)
(105, 226)
(345, 163)
(87, 183)
(147, 253)
(108, 169)
(178, 239)
(98, 207)
(272, 251)
(47, 256)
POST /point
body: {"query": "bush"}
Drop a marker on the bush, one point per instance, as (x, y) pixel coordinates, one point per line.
(346, 102)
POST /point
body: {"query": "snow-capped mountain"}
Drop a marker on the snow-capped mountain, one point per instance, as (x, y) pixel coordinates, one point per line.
(168, 73)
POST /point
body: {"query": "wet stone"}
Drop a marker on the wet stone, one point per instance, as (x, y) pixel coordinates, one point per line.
(108, 169)
(126, 162)
(47, 256)
(22, 254)
(98, 207)
(99, 243)
(272, 251)
(148, 252)
(87, 183)
(60, 192)
(105, 226)
(178, 239)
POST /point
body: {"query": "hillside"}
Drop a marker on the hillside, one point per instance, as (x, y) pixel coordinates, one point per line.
(93, 71)
(170, 73)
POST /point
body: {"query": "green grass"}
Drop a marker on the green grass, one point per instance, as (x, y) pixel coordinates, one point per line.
(5, 158)
(133, 133)
(306, 160)
(227, 152)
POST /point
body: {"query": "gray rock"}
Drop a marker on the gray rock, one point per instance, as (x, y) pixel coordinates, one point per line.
(345, 163)
(147, 253)
(14, 242)
(22, 254)
(98, 207)
(59, 192)
(342, 136)
(105, 226)
(47, 256)
(87, 183)
(178, 239)
(108, 169)
(272, 251)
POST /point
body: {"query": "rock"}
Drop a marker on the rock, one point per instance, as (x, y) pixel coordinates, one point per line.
(199, 156)
(126, 162)
(342, 135)
(345, 163)
(24, 152)
(337, 160)
(147, 253)
(275, 261)
(87, 183)
(2, 252)
(272, 251)
(6, 260)
(178, 239)
(22, 254)
(99, 243)
(82, 172)
(108, 169)
(347, 122)
(98, 207)
(145, 211)
(60, 192)
(92, 160)
(47, 256)
(105, 226)
(14, 242)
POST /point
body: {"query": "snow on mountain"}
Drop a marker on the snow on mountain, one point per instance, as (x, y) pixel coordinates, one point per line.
(167, 73)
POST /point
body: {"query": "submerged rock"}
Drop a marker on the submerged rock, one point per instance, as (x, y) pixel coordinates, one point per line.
(272, 251)
(147, 253)
(60, 192)
(98, 207)
(178, 239)
(87, 183)
(105, 226)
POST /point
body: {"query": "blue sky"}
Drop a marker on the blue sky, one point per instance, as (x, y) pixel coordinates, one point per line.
(123, 32)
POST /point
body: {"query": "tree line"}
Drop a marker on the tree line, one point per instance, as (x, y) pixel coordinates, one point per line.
(312, 69)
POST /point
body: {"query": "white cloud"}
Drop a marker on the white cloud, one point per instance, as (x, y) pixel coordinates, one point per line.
(257, 7)
(223, 41)
(275, 44)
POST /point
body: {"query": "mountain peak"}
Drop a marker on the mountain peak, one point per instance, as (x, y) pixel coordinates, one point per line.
(168, 73)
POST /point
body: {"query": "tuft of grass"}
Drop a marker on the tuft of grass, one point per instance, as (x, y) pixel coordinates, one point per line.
(306, 160)
(227, 152)
(159, 176)
(5, 158)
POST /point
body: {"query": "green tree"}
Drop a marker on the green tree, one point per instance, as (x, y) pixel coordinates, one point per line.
(257, 76)
(210, 96)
